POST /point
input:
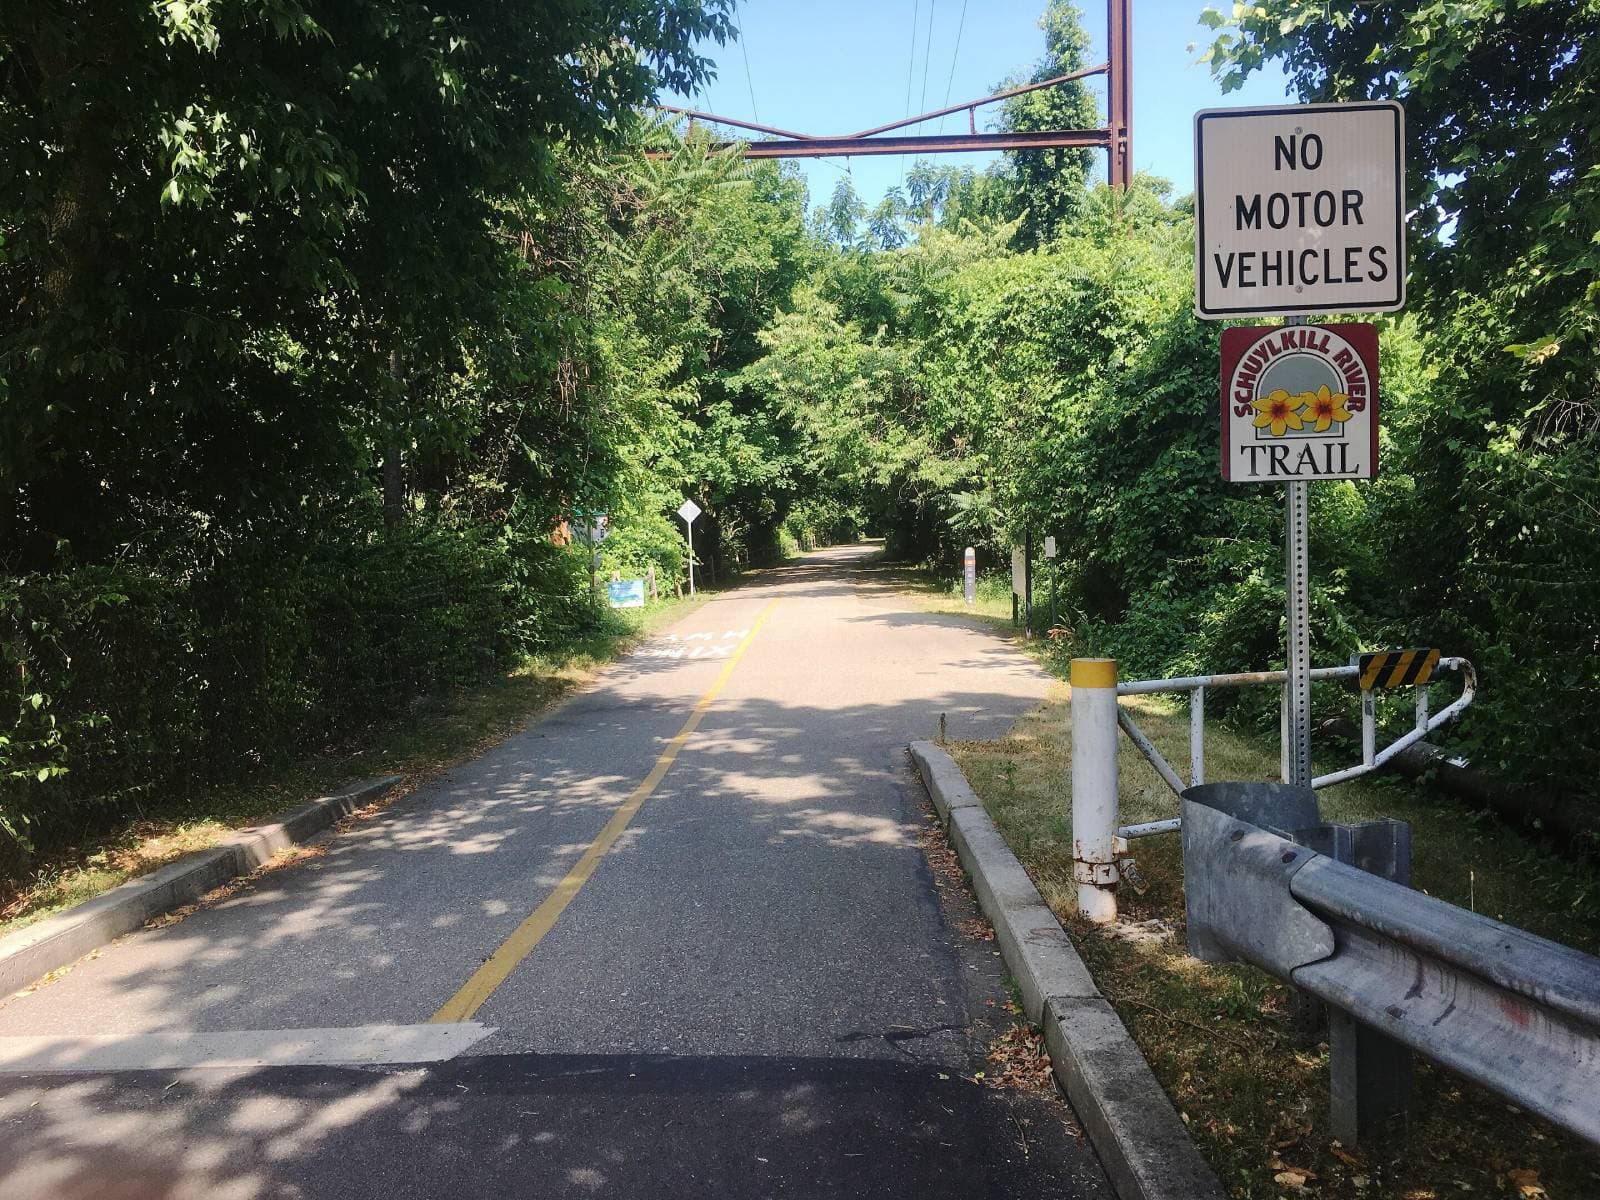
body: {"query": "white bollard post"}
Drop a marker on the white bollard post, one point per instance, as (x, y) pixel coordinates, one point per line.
(1094, 786)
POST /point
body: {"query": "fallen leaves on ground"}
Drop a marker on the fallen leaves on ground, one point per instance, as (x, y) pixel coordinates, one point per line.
(942, 860)
(1527, 1184)
(239, 884)
(1020, 1059)
(1277, 1164)
(59, 973)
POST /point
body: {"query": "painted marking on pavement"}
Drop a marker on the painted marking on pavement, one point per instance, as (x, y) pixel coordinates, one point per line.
(185, 1050)
(477, 990)
(672, 645)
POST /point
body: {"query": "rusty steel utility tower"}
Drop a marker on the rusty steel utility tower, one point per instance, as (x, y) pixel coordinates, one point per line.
(1116, 138)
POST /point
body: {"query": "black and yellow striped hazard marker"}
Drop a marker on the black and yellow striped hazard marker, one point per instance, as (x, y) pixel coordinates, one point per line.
(1397, 668)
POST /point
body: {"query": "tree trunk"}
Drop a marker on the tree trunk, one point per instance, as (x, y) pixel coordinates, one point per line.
(394, 477)
(394, 488)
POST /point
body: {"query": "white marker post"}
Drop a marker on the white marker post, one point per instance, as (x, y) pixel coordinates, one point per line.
(1018, 569)
(970, 575)
(1094, 786)
(689, 510)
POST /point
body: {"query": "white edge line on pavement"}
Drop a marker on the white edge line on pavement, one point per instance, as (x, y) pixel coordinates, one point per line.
(358, 1045)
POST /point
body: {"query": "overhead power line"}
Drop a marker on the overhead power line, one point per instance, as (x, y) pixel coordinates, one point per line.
(927, 52)
(911, 73)
(961, 24)
(911, 62)
(745, 51)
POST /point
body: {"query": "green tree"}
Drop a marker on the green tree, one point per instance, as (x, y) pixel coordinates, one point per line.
(257, 255)
(220, 221)
(1048, 186)
(840, 219)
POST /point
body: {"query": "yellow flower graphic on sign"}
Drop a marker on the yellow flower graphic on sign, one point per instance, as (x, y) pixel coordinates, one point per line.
(1326, 407)
(1279, 410)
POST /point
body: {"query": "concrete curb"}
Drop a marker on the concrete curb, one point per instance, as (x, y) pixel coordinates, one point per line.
(57, 941)
(1141, 1140)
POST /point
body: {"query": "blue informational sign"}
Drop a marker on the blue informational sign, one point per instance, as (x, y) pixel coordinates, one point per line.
(626, 593)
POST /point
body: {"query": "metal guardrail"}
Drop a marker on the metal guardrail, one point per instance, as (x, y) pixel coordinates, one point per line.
(1514, 1012)
(1196, 687)
(1098, 838)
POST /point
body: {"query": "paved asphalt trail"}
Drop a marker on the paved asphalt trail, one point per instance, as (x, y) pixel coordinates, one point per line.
(757, 990)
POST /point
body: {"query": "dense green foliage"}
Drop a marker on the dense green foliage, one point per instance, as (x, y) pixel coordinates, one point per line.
(326, 316)
(322, 318)
(1501, 537)
(977, 376)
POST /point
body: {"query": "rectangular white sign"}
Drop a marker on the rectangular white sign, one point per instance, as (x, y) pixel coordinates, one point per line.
(1299, 209)
(1019, 572)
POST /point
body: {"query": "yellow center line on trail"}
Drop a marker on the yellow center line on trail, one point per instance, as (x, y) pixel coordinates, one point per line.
(477, 990)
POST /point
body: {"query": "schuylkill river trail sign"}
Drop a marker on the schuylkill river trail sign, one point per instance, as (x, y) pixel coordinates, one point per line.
(1300, 402)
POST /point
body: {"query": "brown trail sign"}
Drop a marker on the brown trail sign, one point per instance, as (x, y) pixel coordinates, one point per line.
(1299, 402)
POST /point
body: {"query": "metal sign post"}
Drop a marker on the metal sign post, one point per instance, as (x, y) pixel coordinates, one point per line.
(593, 526)
(1027, 586)
(689, 510)
(1050, 553)
(1297, 600)
(594, 566)
(1016, 580)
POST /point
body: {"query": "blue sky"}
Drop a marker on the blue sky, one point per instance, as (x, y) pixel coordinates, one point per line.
(833, 67)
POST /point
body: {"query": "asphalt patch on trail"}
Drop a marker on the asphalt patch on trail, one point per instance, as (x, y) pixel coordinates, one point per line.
(537, 1125)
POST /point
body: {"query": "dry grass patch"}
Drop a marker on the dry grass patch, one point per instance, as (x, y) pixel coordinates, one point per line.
(1219, 1038)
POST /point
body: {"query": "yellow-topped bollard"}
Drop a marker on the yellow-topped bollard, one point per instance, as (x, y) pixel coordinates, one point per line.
(1094, 786)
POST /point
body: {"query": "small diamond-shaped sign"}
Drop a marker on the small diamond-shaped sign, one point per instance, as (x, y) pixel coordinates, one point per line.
(689, 510)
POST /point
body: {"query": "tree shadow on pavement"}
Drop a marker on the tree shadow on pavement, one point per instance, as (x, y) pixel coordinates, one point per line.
(537, 1126)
